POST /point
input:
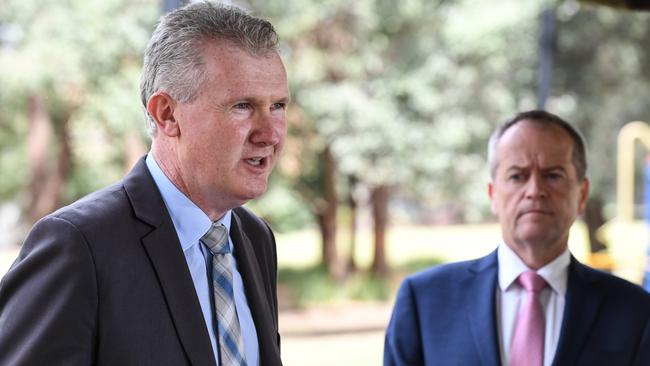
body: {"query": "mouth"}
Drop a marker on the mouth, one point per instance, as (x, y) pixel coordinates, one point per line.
(258, 161)
(535, 212)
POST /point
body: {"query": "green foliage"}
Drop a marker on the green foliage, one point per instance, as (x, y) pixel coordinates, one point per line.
(314, 285)
(419, 264)
(281, 207)
(83, 59)
(602, 81)
(405, 93)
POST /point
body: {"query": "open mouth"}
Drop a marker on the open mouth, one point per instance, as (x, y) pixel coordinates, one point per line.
(256, 161)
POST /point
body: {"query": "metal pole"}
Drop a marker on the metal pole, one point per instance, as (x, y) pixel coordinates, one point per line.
(169, 5)
(646, 201)
(546, 55)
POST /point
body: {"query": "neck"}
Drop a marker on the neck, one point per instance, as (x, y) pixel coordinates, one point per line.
(166, 160)
(537, 256)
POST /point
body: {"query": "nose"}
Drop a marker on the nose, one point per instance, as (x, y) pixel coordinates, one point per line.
(268, 131)
(535, 188)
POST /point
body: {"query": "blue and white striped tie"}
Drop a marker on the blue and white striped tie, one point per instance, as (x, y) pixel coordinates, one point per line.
(231, 346)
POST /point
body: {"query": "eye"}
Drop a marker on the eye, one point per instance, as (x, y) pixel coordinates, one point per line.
(242, 106)
(280, 105)
(516, 177)
(554, 175)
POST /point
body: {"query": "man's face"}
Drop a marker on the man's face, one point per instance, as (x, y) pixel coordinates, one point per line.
(232, 133)
(535, 192)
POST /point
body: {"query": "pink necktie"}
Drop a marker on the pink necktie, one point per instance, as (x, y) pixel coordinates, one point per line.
(527, 347)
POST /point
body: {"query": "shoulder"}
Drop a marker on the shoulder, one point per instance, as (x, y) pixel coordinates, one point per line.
(95, 208)
(102, 219)
(445, 286)
(446, 274)
(75, 223)
(609, 284)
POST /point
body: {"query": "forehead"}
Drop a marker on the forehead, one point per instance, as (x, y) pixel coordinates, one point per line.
(527, 143)
(232, 67)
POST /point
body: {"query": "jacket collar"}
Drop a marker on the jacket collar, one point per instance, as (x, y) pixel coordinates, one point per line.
(481, 285)
(583, 303)
(164, 250)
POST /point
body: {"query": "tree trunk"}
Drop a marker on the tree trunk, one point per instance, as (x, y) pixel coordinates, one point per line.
(352, 204)
(47, 177)
(39, 137)
(594, 219)
(379, 197)
(327, 217)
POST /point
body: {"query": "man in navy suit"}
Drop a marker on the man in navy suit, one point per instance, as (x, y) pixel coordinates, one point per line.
(467, 313)
(125, 276)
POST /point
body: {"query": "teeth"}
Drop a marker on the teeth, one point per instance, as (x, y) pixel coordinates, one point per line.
(255, 161)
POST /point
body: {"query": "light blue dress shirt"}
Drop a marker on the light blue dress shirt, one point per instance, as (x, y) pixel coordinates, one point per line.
(191, 223)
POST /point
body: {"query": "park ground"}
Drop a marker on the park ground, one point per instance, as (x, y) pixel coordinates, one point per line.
(346, 332)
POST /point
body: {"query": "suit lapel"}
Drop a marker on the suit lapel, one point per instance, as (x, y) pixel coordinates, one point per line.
(480, 307)
(256, 297)
(583, 303)
(164, 250)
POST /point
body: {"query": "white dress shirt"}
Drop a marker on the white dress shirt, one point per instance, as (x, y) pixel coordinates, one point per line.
(191, 223)
(510, 295)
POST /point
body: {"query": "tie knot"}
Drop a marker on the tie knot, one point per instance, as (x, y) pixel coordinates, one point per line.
(531, 281)
(217, 239)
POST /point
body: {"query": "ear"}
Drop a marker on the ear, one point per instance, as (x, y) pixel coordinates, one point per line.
(584, 194)
(161, 108)
(491, 195)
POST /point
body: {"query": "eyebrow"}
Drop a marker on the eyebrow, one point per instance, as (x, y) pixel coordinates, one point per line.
(517, 167)
(285, 100)
(254, 100)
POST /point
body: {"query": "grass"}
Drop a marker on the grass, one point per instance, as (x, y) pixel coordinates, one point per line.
(305, 286)
(410, 248)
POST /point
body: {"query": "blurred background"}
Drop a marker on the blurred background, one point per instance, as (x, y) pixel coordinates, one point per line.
(384, 170)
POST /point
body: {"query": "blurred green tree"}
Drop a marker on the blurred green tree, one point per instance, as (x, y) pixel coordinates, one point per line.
(394, 101)
(71, 120)
(602, 82)
(398, 97)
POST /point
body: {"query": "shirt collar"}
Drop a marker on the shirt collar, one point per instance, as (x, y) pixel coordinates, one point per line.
(556, 272)
(190, 222)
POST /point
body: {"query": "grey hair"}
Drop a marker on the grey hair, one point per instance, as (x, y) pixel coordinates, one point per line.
(579, 155)
(173, 59)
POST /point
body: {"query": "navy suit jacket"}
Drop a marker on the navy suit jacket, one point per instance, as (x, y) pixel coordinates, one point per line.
(446, 315)
(104, 282)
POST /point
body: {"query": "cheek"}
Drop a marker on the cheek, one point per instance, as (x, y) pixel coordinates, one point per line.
(229, 140)
(499, 206)
(281, 125)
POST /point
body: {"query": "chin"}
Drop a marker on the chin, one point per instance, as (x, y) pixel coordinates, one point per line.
(252, 192)
(538, 238)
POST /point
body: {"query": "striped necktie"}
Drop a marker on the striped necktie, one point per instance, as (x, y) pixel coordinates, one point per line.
(231, 345)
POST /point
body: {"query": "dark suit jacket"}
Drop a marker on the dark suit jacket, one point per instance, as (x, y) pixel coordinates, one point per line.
(104, 282)
(446, 315)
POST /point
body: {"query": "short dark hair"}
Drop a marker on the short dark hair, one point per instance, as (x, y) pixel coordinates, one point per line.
(173, 60)
(579, 156)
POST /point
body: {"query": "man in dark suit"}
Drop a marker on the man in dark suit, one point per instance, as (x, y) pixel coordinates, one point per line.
(530, 302)
(132, 274)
